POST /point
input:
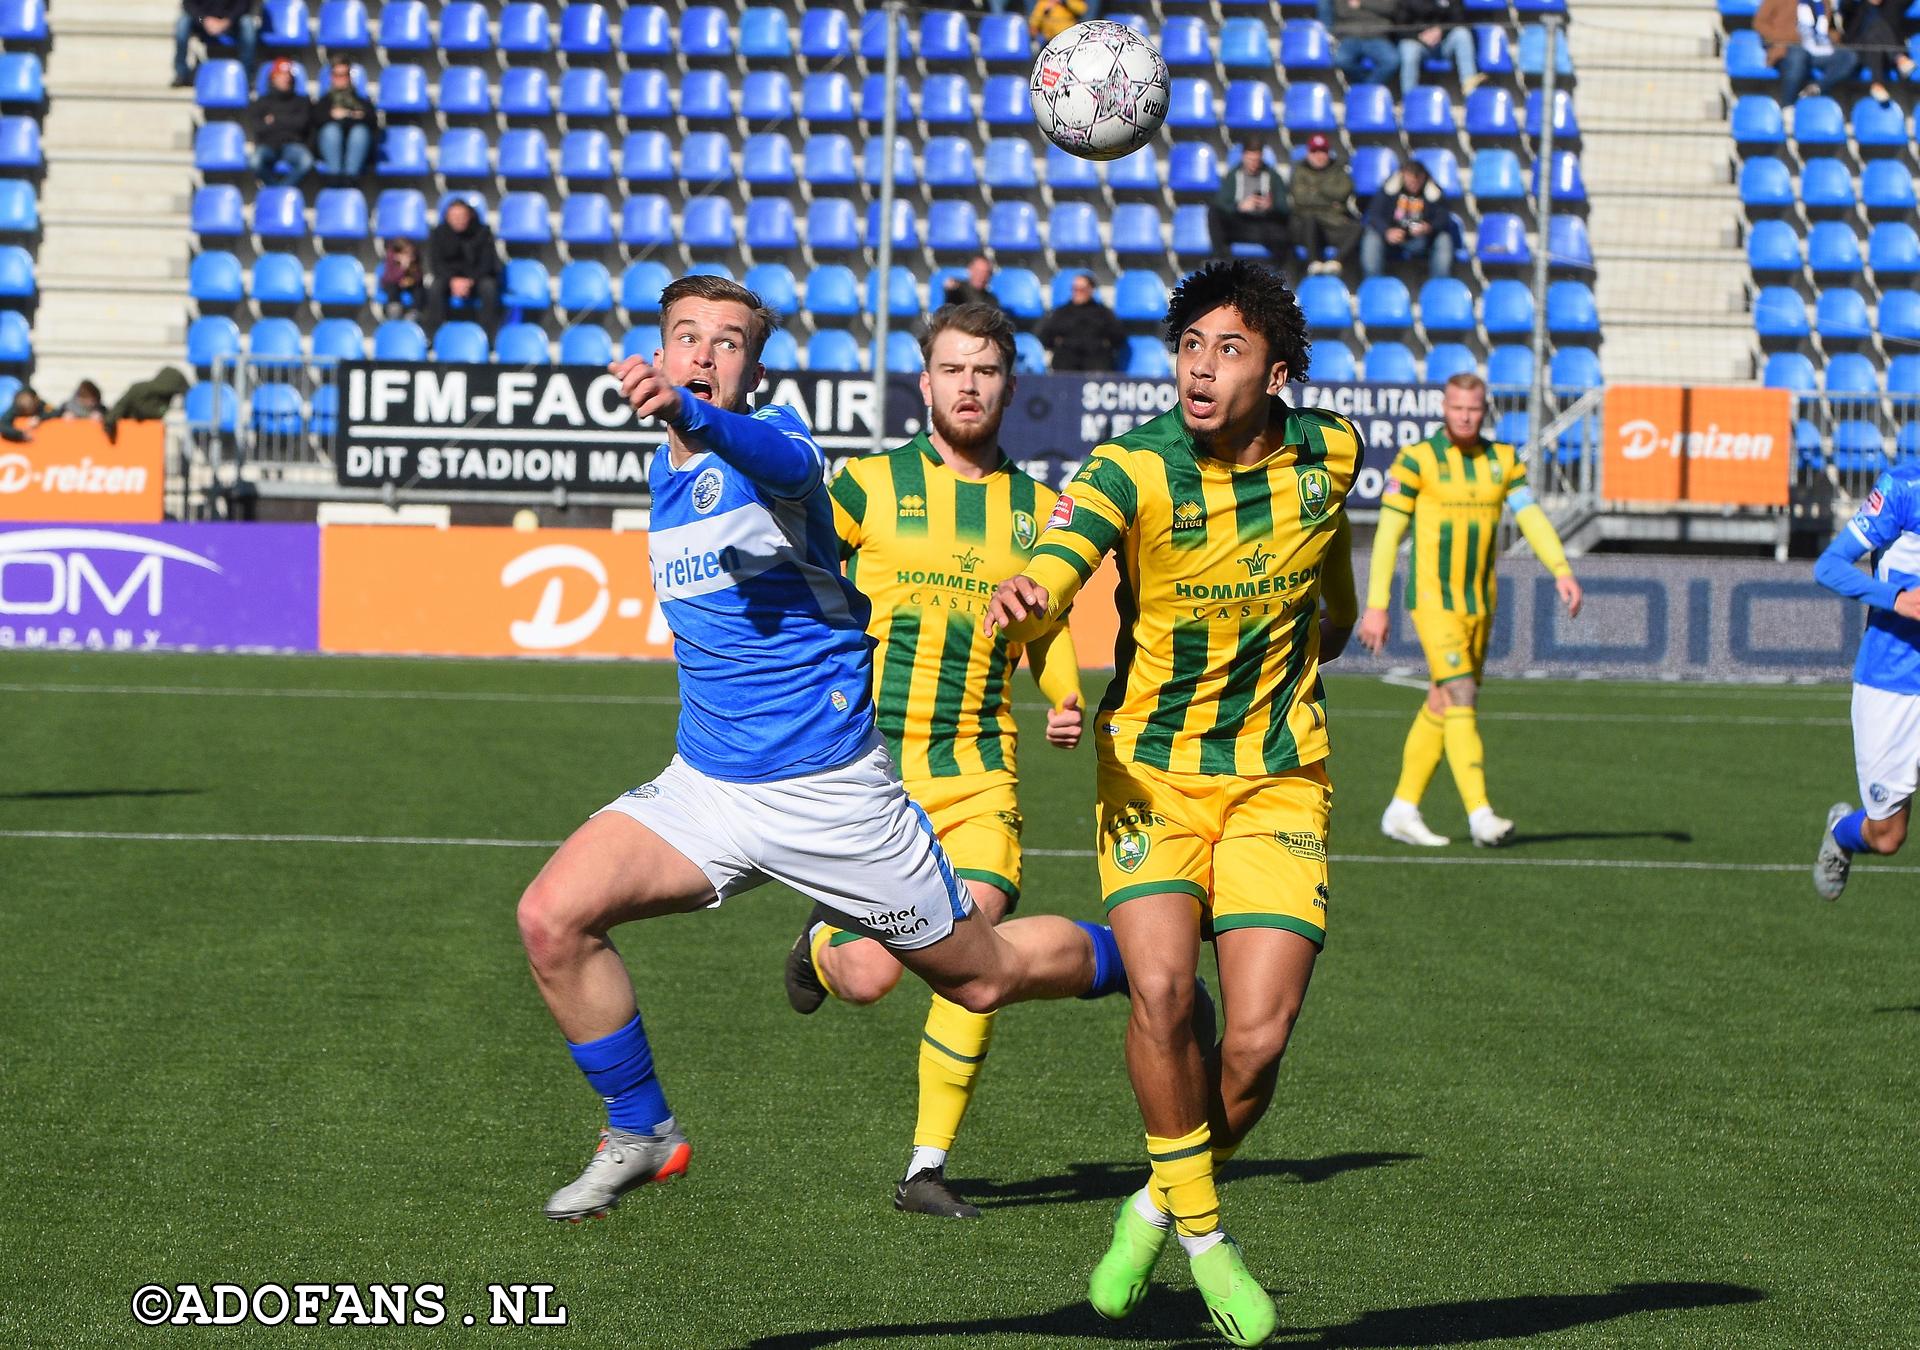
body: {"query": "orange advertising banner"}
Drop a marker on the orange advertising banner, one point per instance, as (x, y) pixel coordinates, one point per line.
(490, 591)
(1720, 446)
(70, 471)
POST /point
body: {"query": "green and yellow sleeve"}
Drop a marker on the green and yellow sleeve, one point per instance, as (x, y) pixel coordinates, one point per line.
(1534, 525)
(849, 509)
(1093, 512)
(1055, 665)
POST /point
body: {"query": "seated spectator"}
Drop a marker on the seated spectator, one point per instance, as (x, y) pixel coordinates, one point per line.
(145, 401)
(1323, 209)
(1872, 33)
(1436, 28)
(1363, 35)
(1083, 334)
(1251, 206)
(1408, 221)
(281, 122)
(85, 402)
(1800, 41)
(27, 407)
(464, 266)
(222, 23)
(398, 292)
(973, 290)
(347, 125)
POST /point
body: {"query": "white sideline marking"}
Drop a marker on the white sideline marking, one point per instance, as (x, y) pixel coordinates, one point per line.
(427, 841)
(668, 700)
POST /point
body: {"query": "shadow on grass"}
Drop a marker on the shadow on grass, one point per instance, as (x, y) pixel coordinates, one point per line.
(1177, 1320)
(1113, 1180)
(1905, 1008)
(1575, 836)
(93, 794)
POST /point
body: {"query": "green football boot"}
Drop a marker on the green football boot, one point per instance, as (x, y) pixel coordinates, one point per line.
(1242, 1311)
(1119, 1282)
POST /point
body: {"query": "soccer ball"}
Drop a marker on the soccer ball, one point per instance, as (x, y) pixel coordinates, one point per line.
(1099, 90)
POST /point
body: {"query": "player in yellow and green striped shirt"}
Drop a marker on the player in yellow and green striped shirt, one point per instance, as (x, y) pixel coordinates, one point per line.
(1227, 519)
(1452, 488)
(925, 529)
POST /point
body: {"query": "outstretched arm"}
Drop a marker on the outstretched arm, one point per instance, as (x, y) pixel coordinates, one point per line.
(1087, 522)
(1839, 572)
(781, 458)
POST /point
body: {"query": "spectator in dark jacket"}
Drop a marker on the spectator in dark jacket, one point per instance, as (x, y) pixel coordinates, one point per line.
(146, 401)
(1252, 206)
(281, 123)
(462, 264)
(972, 290)
(1323, 209)
(1803, 40)
(346, 125)
(1083, 334)
(1409, 221)
(1872, 31)
(1436, 27)
(228, 24)
(27, 407)
(1363, 35)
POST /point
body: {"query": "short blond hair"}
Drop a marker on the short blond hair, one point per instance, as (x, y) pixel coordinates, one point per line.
(1466, 379)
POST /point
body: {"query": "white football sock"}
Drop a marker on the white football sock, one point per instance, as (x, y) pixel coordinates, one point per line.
(1143, 1206)
(1205, 1242)
(924, 1157)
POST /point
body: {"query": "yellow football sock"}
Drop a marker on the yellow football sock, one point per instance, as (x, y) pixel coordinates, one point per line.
(1466, 756)
(1426, 743)
(953, 1050)
(1182, 1182)
(1222, 1155)
(821, 937)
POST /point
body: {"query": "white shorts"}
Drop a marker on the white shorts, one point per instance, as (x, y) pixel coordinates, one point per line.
(849, 838)
(1886, 748)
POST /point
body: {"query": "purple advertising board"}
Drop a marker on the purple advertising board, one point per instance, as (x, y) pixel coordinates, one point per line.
(221, 587)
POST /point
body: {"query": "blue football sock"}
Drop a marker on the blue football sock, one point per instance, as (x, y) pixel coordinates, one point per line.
(1846, 833)
(1109, 975)
(620, 1067)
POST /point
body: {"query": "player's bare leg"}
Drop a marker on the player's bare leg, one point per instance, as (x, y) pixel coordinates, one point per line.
(1159, 937)
(1849, 832)
(983, 968)
(865, 971)
(1263, 981)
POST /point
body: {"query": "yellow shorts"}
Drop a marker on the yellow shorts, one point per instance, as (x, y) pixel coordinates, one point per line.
(1252, 851)
(977, 820)
(1455, 643)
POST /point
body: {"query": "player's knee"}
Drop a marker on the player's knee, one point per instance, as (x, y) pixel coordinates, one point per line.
(983, 994)
(860, 977)
(1162, 1004)
(547, 928)
(1255, 1046)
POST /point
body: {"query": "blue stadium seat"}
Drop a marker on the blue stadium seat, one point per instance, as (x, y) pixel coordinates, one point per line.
(584, 31)
(213, 278)
(824, 35)
(774, 284)
(463, 154)
(403, 153)
(1885, 185)
(873, 167)
(584, 93)
(1249, 105)
(1903, 376)
(1773, 246)
(1062, 289)
(1503, 240)
(1013, 227)
(1139, 296)
(1568, 244)
(1858, 447)
(1443, 168)
(1833, 249)
(1326, 303)
(834, 349)
(1496, 176)
(1900, 317)
(586, 287)
(523, 155)
(641, 341)
(525, 91)
(831, 225)
(825, 96)
(1426, 110)
(220, 147)
(953, 227)
(1332, 361)
(1566, 127)
(338, 340)
(586, 156)
(1446, 306)
(1571, 310)
(209, 337)
(645, 31)
(276, 409)
(402, 91)
(464, 28)
(945, 37)
(1880, 126)
(1135, 227)
(1072, 228)
(706, 160)
(707, 223)
(764, 35)
(20, 143)
(1244, 45)
(1029, 357)
(1385, 305)
(340, 214)
(1070, 173)
(781, 351)
(705, 96)
(527, 287)
(1852, 373)
(404, 26)
(521, 344)
(20, 208)
(465, 91)
(1004, 40)
(1184, 42)
(1506, 308)
(1010, 164)
(343, 26)
(1371, 111)
(1757, 123)
(873, 37)
(1893, 251)
(641, 284)
(948, 162)
(827, 160)
(946, 99)
(1779, 312)
(1137, 172)
(1493, 53)
(400, 340)
(1789, 370)
(1533, 53)
(22, 81)
(338, 281)
(274, 340)
(1510, 367)
(705, 33)
(770, 225)
(767, 159)
(1147, 358)
(832, 292)
(1372, 166)
(905, 225)
(766, 97)
(1304, 46)
(524, 220)
(210, 400)
(218, 85)
(1566, 181)
(586, 218)
(1448, 359)
(1190, 234)
(458, 341)
(279, 213)
(523, 30)
(1765, 182)
(1841, 312)
(1490, 115)
(1190, 105)
(903, 293)
(1193, 167)
(1818, 124)
(285, 24)
(873, 103)
(1391, 363)
(646, 157)
(1827, 185)
(1019, 290)
(400, 213)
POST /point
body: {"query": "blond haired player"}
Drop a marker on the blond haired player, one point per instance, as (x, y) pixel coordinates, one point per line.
(1227, 518)
(924, 529)
(1452, 488)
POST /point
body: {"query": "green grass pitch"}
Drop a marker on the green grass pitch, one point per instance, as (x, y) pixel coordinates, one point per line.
(1535, 1098)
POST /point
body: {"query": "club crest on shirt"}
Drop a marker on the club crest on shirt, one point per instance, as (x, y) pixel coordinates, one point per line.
(1024, 530)
(645, 792)
(706, 489)
(1879, 794)
(1316, 495)
(1130, 850)
(1874, 502)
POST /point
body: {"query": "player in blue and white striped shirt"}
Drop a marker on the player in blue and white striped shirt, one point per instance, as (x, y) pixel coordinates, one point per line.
(781, 773)
(1886, 674)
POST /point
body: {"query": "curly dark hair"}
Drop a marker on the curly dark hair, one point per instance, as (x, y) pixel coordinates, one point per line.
(1264, 300)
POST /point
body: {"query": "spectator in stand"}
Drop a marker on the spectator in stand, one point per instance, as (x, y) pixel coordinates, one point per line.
(1324, 216)
(1362, 35)
(347, 125)
(398, 293)
(1800, 40)
(1252, 206)
(1083, 334)
(27, 407)
(1408, 221)
(973, 290)
(85, 403)
(215, 22)
(464, 265)
(1436, 28)
(281, 123)
(1873, 34)
(146, 401)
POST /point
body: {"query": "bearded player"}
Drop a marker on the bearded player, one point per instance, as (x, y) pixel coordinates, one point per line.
(1452, 488)
(1228, 518)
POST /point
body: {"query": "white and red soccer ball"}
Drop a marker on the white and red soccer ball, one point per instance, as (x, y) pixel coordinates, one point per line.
(1100, 90)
